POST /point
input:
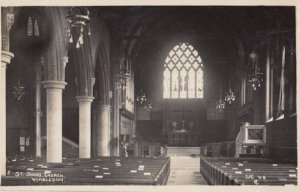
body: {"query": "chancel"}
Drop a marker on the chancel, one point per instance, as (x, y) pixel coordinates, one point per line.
(148, 95)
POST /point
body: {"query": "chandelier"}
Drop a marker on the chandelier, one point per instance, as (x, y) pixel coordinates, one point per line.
(256, 78)
(78, 18)
(148, 106)
(141, 98)
(18, 91)
(221, 103)
(230, 97)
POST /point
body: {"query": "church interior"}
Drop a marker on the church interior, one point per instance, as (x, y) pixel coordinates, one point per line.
(148, 95)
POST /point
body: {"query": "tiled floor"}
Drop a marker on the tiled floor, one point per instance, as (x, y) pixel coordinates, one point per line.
(185, 166)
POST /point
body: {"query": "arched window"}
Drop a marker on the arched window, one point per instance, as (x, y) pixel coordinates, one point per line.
(183, 73)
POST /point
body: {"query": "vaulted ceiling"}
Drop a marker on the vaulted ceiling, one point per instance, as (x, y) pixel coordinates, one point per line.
(222, 35)
(222, 30)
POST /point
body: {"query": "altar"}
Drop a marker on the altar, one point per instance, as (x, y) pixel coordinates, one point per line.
(182, 138)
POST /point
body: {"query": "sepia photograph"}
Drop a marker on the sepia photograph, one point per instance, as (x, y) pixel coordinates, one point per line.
(148, 95)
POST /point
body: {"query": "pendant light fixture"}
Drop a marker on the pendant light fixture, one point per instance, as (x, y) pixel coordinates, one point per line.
(19, 90)
(148, 105)
(124, 73)
(141, 97)
(221, 103)
(29, 27)
(256, 77)
(230, 97)
(78, 18)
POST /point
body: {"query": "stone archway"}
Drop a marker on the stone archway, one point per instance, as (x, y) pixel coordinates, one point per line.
(101, 118)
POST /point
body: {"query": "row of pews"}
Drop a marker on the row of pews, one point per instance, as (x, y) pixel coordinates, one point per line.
(99, 171)
(247, 171)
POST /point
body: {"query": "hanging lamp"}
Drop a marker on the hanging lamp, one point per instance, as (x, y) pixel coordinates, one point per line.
(78, 18)
(256, 78)
(124, 73)
(230, 97)
(141, 97)
(221, 103)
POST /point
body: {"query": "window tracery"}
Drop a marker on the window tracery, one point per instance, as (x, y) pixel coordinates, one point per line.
(183, 73)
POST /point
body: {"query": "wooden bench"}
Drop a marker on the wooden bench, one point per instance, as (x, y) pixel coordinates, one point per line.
(98, 171)
(247, 171)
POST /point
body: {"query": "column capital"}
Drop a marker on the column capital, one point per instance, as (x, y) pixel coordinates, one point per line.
(84, 98)
(6, 57)
(54, 84)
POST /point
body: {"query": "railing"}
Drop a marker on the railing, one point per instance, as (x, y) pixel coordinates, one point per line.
(163, 150)
(150, 149)
(221, 149)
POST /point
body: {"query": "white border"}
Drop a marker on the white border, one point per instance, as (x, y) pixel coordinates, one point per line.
(166, 2)
(146, 2)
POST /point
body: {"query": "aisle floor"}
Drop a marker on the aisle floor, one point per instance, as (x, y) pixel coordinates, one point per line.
(185, 166)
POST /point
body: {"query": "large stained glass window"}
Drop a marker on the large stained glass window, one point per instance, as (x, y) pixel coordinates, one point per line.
(183, 73)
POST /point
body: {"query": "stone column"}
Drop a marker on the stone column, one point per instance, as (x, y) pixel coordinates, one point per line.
(84, 126)
(38, 112)
(103, 130)
(54, 120)
(116, 132)
(5, 59)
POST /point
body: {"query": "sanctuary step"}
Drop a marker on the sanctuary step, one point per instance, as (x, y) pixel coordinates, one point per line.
(248, 171)
(99, 171)
(183, 151)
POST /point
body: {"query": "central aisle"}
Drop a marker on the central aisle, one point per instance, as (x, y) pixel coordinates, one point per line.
(185, 166)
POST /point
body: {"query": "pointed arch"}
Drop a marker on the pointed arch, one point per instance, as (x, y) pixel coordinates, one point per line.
(183, 73)
(102, 72)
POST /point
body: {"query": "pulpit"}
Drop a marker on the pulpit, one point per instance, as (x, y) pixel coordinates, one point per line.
(251, 141)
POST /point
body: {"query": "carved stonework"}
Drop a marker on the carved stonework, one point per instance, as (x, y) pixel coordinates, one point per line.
(6, 58)
(5, 42)
(93, 81)
(65, 61)
(52, 69)
(10, 19)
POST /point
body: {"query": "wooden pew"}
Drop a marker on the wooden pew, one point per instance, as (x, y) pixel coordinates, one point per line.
(102, 170)
(247, 171)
